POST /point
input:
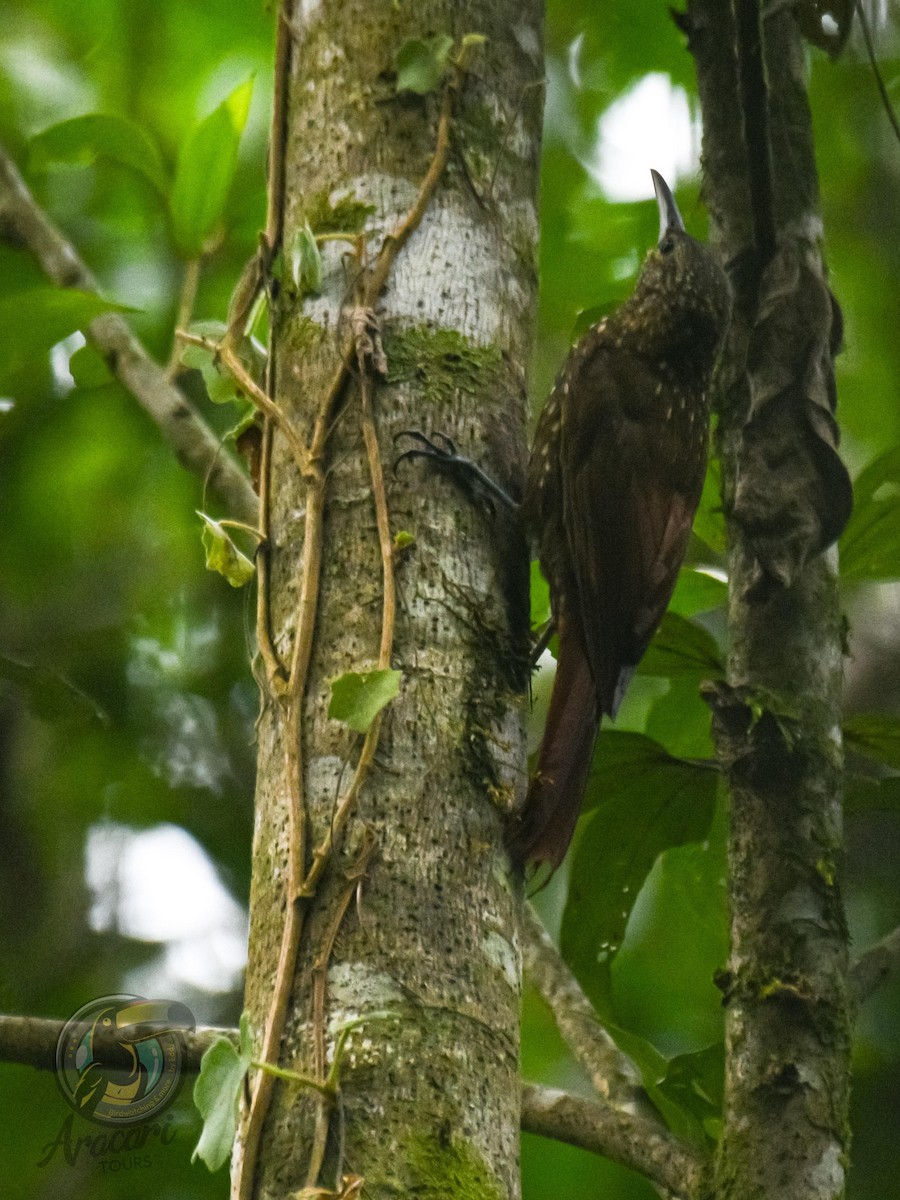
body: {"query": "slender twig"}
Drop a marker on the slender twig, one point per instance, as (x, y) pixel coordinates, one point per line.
(230, 359)
(624, 1138)
(325, 1100)
(278, 135)
(385, 541)
(185, 312)
(297, 1077)
(876, 70)
(367, 753)
(197, 447)
(611, 1072)
(276, 675)
(875, 965)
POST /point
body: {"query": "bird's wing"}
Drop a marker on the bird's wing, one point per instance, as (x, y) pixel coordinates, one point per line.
(629, 501)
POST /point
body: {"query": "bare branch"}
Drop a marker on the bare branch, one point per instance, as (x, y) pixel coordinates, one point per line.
(611, 1072)
(31, 1041)
(629, 1140)
(197, 447)
(875, 965)
(623, 1138)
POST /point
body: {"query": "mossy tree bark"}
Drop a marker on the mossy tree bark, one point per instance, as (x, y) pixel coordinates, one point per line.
(777, 720)
(415, 913)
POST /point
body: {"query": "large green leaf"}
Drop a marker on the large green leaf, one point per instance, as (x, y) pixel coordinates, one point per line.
(863, 793)
(682, 647)
(680, 720)
(693, 1085)
(696, 592)
(34, 320)
(540, 596)
(876, 735)
(639, 801)
(98, 135)
(870, 546)
(709, 520)
(205, 171)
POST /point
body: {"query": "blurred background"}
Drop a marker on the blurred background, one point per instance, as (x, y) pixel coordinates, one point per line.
(126, 702)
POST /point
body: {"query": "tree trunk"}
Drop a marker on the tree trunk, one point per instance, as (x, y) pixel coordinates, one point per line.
(413, 922)
(777, 721)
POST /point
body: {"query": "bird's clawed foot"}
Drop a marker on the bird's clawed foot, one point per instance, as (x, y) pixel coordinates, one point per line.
(441, 450)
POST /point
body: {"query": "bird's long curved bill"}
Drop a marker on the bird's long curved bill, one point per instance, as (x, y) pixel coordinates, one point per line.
(669, 216)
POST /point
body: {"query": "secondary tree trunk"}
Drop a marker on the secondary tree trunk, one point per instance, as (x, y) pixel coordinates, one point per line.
(415, 914)
(777, 721)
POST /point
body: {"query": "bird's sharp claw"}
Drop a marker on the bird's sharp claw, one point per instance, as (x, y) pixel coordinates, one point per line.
(428, 447)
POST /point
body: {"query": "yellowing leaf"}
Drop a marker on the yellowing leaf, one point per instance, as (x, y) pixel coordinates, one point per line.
(222, 554)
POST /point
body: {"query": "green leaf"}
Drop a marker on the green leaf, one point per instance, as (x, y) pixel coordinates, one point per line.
(421, 64)
(696, 592)
(357, 699)
(222, 554)
(247, 418)
(875, 735)
(34, 320)
(88, 369)
(709, 520)
(50, 695)
(863, 794)
(306, 261)
(220, 384)
(540, 596)
(206, 166)
(680, 720)
(870, 545)
(402, 539)
(216, 1095)
(98, 135)
(675, 1105)
(639, 801)
(682, 647)
(695, 1083)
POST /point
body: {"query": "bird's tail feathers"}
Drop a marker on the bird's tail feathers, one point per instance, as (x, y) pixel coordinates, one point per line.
(547, 821)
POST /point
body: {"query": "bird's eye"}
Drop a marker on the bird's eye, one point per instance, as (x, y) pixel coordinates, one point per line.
(667, 246)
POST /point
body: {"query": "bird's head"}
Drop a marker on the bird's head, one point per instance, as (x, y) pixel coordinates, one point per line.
(682, 294)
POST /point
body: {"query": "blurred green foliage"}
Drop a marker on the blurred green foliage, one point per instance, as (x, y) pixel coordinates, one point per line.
(125, 695)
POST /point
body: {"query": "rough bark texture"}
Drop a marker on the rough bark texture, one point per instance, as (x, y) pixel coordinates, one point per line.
(777, 721)
(430, 1097)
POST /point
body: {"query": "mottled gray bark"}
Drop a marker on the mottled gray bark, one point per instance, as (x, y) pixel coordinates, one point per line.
(430, 1096)
(777, 720)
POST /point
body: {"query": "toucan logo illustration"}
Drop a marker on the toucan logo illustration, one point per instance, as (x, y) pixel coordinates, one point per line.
(119, 1058)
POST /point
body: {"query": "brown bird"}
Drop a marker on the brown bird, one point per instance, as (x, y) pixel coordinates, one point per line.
(614, 480)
